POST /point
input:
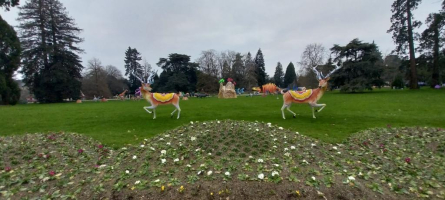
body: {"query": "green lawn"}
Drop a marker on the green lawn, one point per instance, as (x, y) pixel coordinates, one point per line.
(117, 123)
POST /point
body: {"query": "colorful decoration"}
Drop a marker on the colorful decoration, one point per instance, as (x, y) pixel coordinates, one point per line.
(307, 96)
(221, 80)
(122, 95)
(300, 95)
(227, 91)
(157, 99)
(270, 88)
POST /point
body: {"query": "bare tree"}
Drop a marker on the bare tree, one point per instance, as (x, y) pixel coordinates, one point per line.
(208, 62)
(95, 80)
(226, 58)
(115, 80)
(313, 55)
(113, 71)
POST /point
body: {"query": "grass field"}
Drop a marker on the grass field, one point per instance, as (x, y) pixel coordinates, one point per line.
(116, 123)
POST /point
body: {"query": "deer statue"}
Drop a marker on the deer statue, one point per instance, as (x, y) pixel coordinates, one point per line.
(122, 95)
(310, 96)
(157, 99)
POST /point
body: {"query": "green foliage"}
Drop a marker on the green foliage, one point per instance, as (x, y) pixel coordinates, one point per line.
(398, 82)
(207, 83)
(290, 77)
(132, 66)
(9, 62)
(179, 74)
(51, 67)
(260, 68)
(279, 75)
(9, 3)
(361, 69)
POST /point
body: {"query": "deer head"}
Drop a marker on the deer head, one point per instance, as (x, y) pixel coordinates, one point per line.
(320, 75)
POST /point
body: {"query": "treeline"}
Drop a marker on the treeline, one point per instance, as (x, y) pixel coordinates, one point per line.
(46, 50)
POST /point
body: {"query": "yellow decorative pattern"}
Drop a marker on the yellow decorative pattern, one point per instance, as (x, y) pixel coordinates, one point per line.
(163, 97)
(300, 95)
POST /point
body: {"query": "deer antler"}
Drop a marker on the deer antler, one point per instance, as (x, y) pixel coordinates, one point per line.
(137, 77)
(319, 75)
(336, 68)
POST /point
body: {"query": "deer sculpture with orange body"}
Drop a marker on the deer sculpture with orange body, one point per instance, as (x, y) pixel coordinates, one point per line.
(122, 95)
(310, 96)
(157, 99)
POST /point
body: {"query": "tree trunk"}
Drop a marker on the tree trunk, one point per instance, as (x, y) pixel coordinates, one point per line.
(412, 56)
(435, 75)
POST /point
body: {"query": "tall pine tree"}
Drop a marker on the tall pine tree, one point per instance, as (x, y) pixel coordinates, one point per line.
(278, 77)
(260, 68)
(132, 66)
(290, 78)
(402, 32)
(51, 66)
(9, 63)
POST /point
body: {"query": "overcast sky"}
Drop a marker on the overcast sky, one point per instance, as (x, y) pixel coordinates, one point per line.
(282, 28)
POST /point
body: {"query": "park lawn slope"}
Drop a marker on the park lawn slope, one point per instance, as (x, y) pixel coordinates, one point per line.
(117, 123)
(227, 159)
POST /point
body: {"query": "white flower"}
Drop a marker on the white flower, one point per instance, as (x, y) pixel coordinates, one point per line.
(275, 147)
(339, 152)
(134, 157)
(202, 165)
(142, 146)
(193, 138)
(313, 178)
(163, 152)
(204, 123)
(137, 182)
(124, 148)
(157, 180)
(281, 128)
(260, 160)
(274, 173)
(297, 133)
(276, 165)
(287, 154)
(198, 149)
(176, 160)
(152, 148)
(102, 166)
(163, 161)
(189, 165)
(227, 173)
(313, 145)
(168, 143)
(250, 157)
(351, 178)
(127, 172)
(275, 139)
(334, 147)
(209, 173)
(285, 137)
(257, 130)
(360, 174)
(161, 138)
(292, 147)
(191, 122)
(167, 135)
(286, 149)
(306, 162)
(261, 176)
(218, 122)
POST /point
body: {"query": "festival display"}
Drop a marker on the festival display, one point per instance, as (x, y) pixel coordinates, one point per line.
(227, 91)
(310, 96)
(157, 99)
(270, 88)
(122, 95)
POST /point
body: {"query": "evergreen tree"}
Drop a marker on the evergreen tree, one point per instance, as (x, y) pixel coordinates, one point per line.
(9, 63)
(132, 66)
(178, 75)
(250, 74)
(279, 75)
(431, 40)
(260, 68)
(238, 70)
(402, 32)
(51, 66)
(9, 3)
(290, 77)
(362, 66)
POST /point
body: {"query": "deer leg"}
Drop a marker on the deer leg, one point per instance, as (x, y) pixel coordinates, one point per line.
(154, 113)
(148, 107)
(171, 115)
(282, 110)
(179, 110)
(288, 108)
(316, 105)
